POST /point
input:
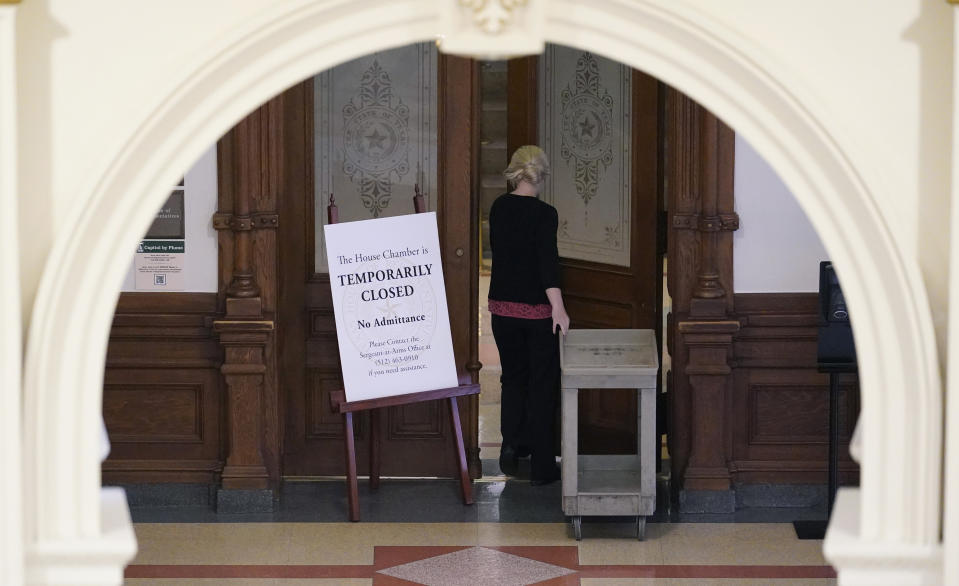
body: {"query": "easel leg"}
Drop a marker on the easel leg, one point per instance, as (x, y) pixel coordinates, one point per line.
(374, 449)
(461, 453)
(353, 496)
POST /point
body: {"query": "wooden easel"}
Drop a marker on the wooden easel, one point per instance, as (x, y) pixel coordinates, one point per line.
(339, 404)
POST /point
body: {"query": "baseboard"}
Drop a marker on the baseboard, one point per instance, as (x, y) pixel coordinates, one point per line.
(787, 496)
(244, 501)
(169, 494)
(707, 501)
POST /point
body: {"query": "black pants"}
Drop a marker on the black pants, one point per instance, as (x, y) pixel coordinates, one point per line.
(529, 354)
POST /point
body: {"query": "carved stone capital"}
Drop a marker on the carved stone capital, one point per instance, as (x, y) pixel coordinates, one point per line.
(492, 29)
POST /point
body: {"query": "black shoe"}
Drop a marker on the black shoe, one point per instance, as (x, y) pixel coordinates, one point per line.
(550, 479)
(507, 460)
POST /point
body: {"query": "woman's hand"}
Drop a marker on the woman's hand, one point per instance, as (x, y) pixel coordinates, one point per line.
(560, 318)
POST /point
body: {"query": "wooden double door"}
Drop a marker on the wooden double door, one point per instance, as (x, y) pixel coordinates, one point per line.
(344, 131)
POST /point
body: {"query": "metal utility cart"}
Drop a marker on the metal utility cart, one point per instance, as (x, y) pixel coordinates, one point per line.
(605, 485)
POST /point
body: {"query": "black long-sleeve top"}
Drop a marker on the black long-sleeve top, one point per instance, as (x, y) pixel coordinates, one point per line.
(522, 233)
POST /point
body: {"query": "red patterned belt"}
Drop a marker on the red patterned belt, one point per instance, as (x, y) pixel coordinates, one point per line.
(520, 310)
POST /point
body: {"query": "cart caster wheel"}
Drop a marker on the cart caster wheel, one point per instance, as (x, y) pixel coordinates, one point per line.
(641, 528)
(578, 527)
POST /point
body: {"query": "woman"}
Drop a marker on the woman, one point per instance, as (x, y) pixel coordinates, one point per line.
(527, 308)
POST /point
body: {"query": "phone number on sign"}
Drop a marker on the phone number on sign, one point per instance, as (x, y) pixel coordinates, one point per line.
(396, 360)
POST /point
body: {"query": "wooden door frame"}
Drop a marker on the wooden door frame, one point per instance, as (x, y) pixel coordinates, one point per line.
(459, 228)
(522, 80)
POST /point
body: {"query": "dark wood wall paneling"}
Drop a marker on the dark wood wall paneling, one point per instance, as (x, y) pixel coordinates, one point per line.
(161, 396)
(779, 406)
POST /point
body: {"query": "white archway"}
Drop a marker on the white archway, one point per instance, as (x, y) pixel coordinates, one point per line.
(898, 504)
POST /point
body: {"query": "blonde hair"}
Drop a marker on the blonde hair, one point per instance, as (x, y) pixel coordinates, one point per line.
(529, 162)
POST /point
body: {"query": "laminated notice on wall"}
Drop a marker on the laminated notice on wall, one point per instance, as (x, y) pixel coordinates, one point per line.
(389, 302)
(159, 265)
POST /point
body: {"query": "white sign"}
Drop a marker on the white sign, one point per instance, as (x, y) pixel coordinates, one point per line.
(389, 301)
(158, 265)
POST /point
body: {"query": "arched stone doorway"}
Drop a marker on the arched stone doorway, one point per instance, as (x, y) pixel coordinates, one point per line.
(898, 504)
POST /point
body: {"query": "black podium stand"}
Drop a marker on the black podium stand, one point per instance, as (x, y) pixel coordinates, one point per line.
(835, 355)
(817, 529)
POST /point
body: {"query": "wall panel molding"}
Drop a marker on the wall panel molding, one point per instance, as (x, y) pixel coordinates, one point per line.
(417, 421)
(167, 413)
(322, 423)
(162, 393)
(784, 413)
(147, 471)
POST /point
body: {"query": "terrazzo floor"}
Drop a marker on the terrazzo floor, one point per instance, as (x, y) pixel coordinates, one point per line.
(473, 553)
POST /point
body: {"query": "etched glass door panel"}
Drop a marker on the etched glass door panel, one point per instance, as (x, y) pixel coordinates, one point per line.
(585, 107)
(375, 136)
